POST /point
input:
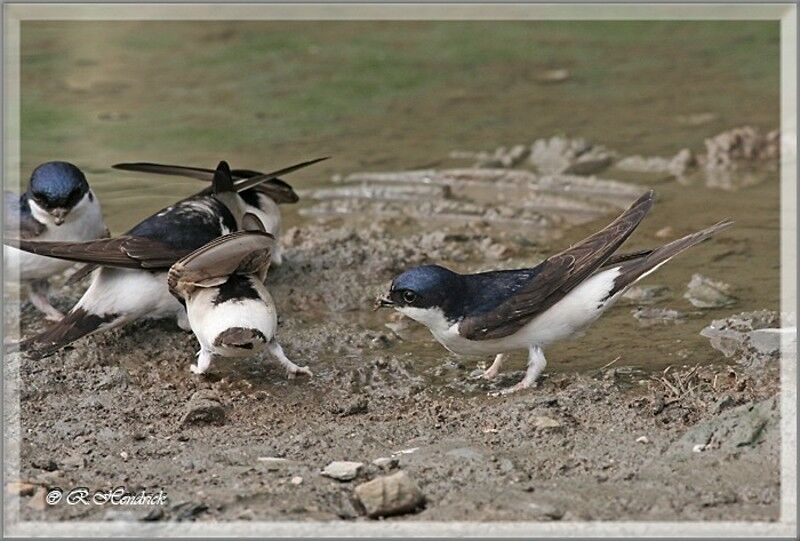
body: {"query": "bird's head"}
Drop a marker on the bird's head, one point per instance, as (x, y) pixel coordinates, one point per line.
(421, 292)
(55, 189)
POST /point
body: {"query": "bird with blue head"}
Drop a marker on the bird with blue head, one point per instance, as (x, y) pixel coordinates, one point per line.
(58, 205)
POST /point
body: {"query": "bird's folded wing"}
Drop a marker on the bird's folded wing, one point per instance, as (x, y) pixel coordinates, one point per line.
(17, 214)
(124, 252)
(555, 277)
(242, 252)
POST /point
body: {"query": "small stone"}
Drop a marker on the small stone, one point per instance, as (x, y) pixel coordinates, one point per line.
(642, 439)
(188, 510)
(342, 470)
(386, 463)
(699, 448)
(203, 408)
(553, 76)
(542, 422)
(19, 488)
(704, 292)
(124, 455)
(296, 480)
(733, 334)
(649, 316)
(389, 495)
(665, 232)
(153, 515)
(645, 294)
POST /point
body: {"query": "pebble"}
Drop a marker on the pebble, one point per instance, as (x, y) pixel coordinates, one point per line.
(703, 292)
(748, 331)
(342, 470)
(699, 448)
(642, 439)
(296, 480)
(645, 294)
(386, 463)
(394, 494)
(553, 76)
(203, 408)
(649, 316)
(665, 232)
(545, 422)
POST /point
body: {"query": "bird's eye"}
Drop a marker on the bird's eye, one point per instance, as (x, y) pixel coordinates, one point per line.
(409, 296)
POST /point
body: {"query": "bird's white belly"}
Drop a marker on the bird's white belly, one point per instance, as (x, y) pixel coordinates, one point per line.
(578, 308)
(130, 293)
(84, 222)
(209, 320)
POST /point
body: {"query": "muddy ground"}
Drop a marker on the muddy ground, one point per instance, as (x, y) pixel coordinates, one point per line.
(605, 439)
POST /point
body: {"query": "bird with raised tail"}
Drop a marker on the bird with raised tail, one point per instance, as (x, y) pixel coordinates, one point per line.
(129, 272)
(494, 313)
(262, 200)
(58, 205)
(230, 310)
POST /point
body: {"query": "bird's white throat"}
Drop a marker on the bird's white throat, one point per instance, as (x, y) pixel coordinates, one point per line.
(433, 318)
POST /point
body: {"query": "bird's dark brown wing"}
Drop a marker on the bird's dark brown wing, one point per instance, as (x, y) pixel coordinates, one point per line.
(556, 277)
(242, 252)
(123, 252)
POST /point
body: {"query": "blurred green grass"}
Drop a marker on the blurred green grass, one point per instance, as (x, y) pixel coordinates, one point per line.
(400, 93)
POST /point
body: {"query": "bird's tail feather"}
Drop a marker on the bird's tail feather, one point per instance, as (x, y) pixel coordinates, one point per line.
(76, 324)
(643, 263)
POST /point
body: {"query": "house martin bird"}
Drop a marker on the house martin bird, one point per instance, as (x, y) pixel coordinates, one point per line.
(130, 278)
(493, 313)
(262, 201)
(57, 206)
(229, 309)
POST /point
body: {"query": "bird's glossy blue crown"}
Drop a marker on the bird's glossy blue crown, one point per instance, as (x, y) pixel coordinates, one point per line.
(57, 184)
(425, 279)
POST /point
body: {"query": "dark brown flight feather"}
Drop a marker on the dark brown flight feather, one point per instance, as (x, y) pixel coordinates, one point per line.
(556, 277)
(123, 252)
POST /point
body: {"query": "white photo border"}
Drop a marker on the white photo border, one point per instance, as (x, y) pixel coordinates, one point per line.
(787, 13)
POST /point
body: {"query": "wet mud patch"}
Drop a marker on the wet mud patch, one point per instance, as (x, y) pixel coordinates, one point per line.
(603, 439)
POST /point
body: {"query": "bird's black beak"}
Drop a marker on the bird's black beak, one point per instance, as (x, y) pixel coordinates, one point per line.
(382, 302)
(59, 215)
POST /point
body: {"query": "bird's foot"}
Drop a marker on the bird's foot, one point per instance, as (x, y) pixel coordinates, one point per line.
(203, 363)
(522, 385)
(293, 370)
(487, 374)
